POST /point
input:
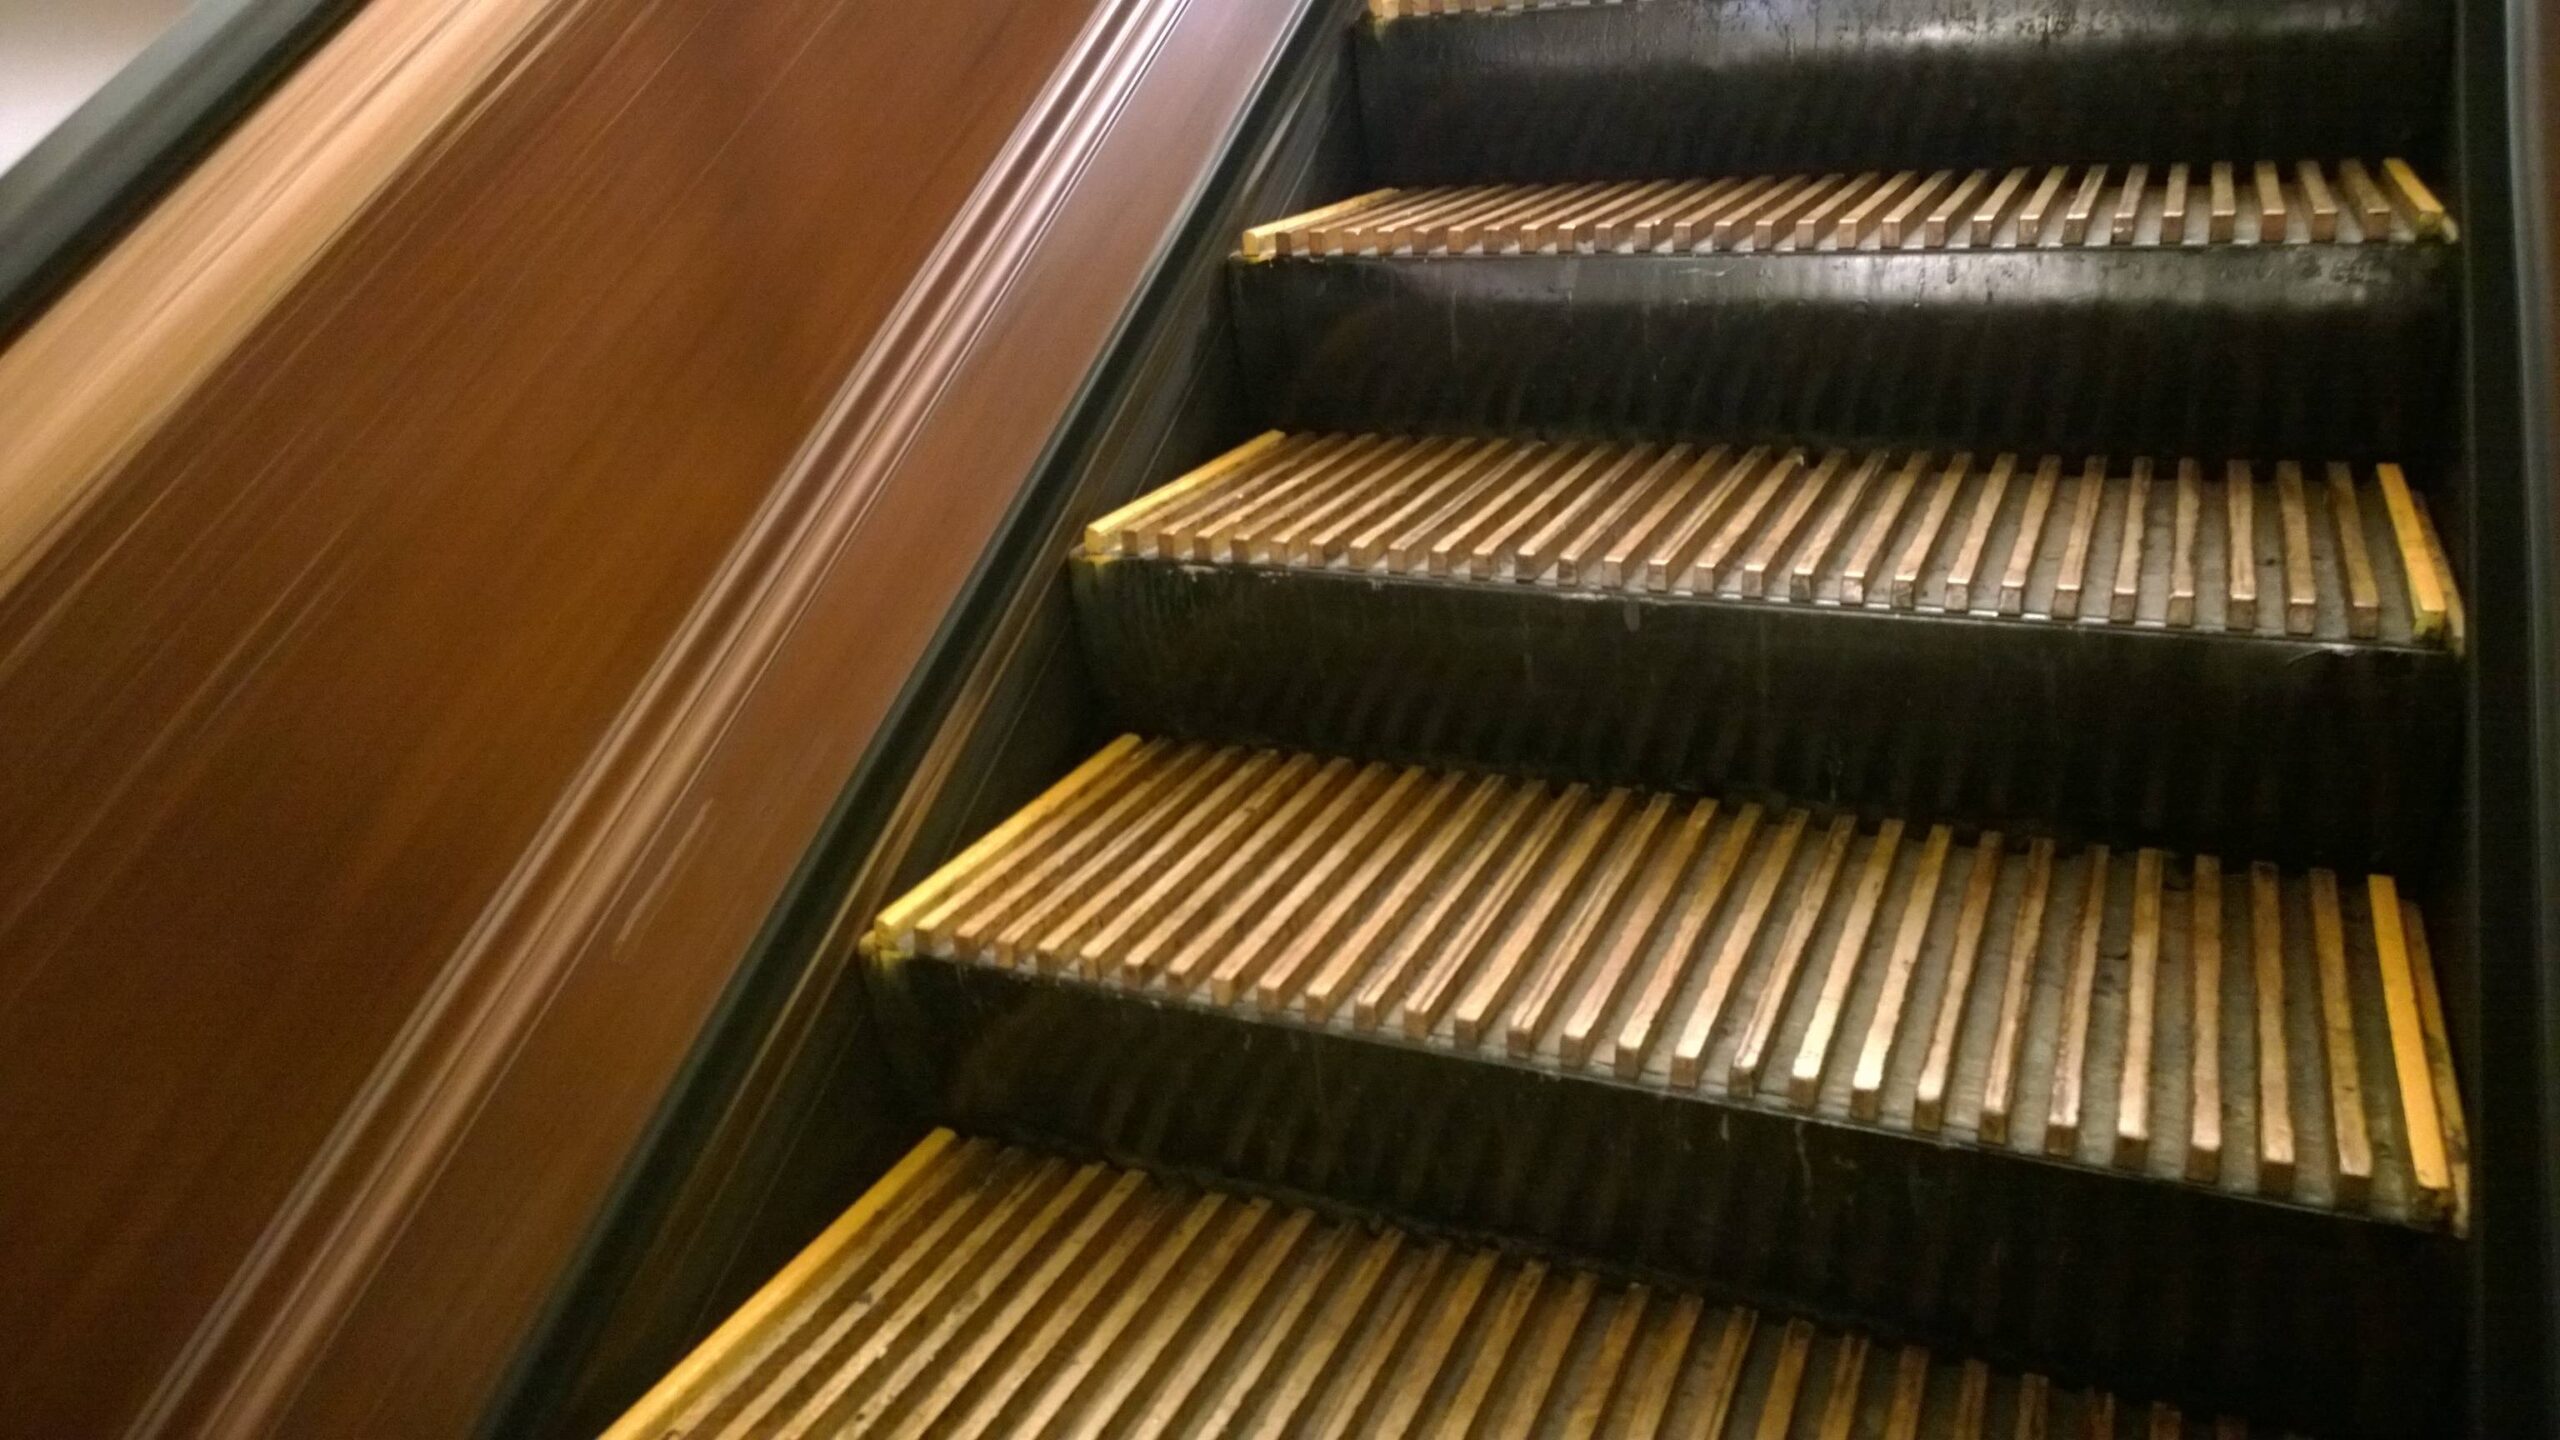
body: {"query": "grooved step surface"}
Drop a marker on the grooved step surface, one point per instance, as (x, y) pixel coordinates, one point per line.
(2257, 1033)
(2253, 203)
(983, 1290)
(2331, 552)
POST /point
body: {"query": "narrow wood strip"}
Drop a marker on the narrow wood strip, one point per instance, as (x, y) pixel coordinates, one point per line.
(1449, 1319)
(2364, 596)
(1542, 1359)
(1987, 217)
(1724, 1371)
(1115, 533)
(1653, 906)
(1096, 1229)
(2182, 547)
(1695, 224)
(1578, 561)
(1813, 1055)
(761, 1324)
(1608, 1373)
(1782, 218)
(1745, 1073)
(2338, 1044)
(1786, 1382)
(1188, 1286)
(1672, 555)
(2240, 546)
(1493, 1353)
(1905, 594)
(2427, 586)
(1840, 1401)
(2455, 626)
(1823, 546)
(2225, 206)
(1517, 946)
(1811, 226)
(2272, 212)
(1609, 489)
(1675, 507)
(2424, 1129)
(1369, 1362)
(2173, 207)
(1688, 1056)
(1934, 230)
(2035, 1402)
(1565, 960)
(895, 930)
(2128, 213)
(2072, 579)
(2142, 978)
(1704, 575)
(1910, 1392)
(2457, 1139)
(1263, 241)
(1097, 1339)
(2031, 216)
(1342, 1248)
(2126, 596)
(1854, 223)
(1413, 856)
(2071, 1049)
(1864, 555)
(2301, 588)
(2373, 211)
(1973, 1402)
(1047, 932)
(2275, 1082)
(2022, 551)
(2426, 211)
(1321, 1348)
(2316, 196)
(1752, 580)
(1270, 938)
(1977, 535)
(1229, 774)
(2204, 1042)
(1476, 850)
(1891, 231)
(1866, 1088)
(1342, 797)
(1439, 985)
(2075, 220)
(1180, 887)
(1928, 1106)
(1055, 847)
(1661, 1377)
(1728, 224)
(2017, 991)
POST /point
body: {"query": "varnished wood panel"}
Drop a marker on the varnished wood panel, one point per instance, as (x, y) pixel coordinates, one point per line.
(432, 708)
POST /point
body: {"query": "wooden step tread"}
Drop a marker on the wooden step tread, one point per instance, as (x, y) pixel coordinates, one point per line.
(2336, 553)
(985, 1290)
(2263, 202)
(2229, 1026)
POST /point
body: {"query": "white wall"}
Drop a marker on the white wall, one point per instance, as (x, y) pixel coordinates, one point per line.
(56, 53)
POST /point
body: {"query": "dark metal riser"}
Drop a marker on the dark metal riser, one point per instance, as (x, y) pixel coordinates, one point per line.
(2301, 351)
(2259, 745)
(1618, 91)
(2328, 1323)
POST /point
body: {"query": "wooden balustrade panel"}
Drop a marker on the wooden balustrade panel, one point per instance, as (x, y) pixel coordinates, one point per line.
(408, 734)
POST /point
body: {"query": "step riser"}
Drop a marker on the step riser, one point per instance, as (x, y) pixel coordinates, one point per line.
(1625, 90)
(2288, 750)
(2325, 351)
(2296, 1317)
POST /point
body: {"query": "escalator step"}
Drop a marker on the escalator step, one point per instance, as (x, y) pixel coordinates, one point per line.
(2234, 1028)
(2338, 554)
(2024, 207)
(979, 1289)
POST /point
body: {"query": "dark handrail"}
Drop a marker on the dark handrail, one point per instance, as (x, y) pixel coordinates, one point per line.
(68, 199)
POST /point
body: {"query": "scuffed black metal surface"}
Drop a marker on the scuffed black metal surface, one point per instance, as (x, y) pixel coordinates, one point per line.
(1692, 86)
(2255, 748)
(2289, 1316)
(2328, 351)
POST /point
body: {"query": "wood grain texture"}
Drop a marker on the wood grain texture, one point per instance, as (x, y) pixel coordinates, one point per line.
(440, 693)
